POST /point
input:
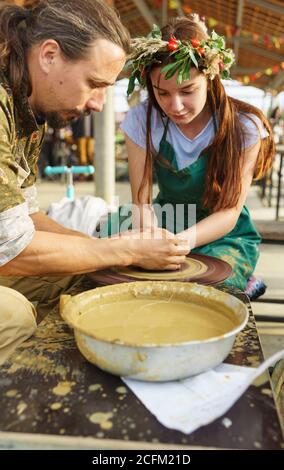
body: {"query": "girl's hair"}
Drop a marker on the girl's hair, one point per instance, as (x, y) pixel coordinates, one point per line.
(223, 175)
(74, 24)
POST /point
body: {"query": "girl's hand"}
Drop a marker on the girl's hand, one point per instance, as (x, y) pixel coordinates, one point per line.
(149, 233)
(183, 236)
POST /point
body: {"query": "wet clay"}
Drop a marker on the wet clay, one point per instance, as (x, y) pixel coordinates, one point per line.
(152, 321)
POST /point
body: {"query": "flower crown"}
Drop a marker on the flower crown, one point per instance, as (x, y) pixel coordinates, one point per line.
(209, 55)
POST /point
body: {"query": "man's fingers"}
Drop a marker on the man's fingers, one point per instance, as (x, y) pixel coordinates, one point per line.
(176, 259)
(172, 267)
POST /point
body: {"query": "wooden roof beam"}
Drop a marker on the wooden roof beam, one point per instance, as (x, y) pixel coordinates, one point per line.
(269, 6)
(145, 12)
(239, 22)
(277, 82)
(246, 70)
(264, 53)
(245, 40)
(164, 12)
(132, 15)
(179, 8)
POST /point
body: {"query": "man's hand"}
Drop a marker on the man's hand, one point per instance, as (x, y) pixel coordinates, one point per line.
(161, 254)
(157, 249)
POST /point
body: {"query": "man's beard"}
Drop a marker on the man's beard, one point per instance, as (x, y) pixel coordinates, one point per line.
(56, 121)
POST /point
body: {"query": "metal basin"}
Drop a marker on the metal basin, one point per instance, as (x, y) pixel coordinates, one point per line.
(154, 362)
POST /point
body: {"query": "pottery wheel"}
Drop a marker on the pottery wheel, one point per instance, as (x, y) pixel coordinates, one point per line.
(190, 268)
(197, 268)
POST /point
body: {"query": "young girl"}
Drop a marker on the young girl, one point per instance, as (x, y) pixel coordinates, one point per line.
(204, 146)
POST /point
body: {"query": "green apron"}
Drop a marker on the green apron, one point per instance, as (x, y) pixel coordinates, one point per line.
(180, 188)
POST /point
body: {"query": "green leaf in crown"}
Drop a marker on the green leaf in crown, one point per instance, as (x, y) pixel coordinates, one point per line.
(209, 56)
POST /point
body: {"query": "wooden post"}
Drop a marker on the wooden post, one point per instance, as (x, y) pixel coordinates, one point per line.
(105, 148)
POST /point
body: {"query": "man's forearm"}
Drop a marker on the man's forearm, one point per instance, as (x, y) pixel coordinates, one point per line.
(44, 223)
(57, 254)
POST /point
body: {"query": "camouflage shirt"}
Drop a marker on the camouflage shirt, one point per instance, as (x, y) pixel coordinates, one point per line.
(21, 138)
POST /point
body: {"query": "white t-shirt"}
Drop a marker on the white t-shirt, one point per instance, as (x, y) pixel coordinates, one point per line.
(187, 150)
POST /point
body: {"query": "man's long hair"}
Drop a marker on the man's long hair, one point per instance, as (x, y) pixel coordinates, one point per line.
(74, 24)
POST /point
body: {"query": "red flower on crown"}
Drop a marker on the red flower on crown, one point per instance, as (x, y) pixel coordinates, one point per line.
(195, 42)
(173, 44)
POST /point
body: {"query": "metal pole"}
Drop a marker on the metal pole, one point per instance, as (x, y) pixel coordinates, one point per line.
(105, 150)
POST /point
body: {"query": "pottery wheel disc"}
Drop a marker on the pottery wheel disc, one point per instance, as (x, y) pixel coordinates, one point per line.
(197, 268)
(190, 268)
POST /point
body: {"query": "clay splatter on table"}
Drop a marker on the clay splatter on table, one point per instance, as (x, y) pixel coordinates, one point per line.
(47, 387)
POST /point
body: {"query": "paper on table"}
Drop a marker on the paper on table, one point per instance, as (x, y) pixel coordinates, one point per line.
(187, 404)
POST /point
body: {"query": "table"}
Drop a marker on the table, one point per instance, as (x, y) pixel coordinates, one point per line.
(51, 397)
(280, 151)
(267, 182)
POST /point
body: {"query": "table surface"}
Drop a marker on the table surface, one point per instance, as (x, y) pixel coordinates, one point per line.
(51, 397)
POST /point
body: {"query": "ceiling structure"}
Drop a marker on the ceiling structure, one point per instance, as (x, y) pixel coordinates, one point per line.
(253, 28)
